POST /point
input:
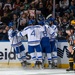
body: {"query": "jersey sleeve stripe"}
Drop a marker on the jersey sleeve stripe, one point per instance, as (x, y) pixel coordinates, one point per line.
(21, 34)
(27, 28)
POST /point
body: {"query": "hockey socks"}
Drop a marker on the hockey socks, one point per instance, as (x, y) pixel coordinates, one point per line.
(70, 65)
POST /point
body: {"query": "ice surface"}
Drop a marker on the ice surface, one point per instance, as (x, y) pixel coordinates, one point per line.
(23, 71)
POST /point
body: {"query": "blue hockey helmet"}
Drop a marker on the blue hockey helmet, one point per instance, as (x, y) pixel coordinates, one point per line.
(33, 21)
(10, 24)
(47, 21)
(41, 17)
(51, 19)
(41, 23)
(30, 22)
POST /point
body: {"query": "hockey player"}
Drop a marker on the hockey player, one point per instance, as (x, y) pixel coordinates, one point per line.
(53, 42)
(45, 42)
(71, 39)
(33, 33)
(16, 43)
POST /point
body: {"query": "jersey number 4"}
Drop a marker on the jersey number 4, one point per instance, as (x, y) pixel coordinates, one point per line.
(33, 32)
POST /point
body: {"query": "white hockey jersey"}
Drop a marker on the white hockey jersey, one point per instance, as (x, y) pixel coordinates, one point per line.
(54, 27)
(16, 40)
(48, 31)
(33, 33)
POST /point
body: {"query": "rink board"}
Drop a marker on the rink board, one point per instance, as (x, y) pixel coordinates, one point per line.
(7, 55)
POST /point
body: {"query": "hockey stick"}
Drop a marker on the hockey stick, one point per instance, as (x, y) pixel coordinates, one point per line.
(49, 16)
(11, 46)
(10, 51)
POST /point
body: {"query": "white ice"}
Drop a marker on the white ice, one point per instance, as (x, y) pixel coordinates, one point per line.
(22, 71)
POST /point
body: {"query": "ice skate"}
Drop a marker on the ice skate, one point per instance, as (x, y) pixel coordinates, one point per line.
(32, 65)
(54, 65)
(23, 64)
(70, 69)
(74, 70)
(27, 63)
(46, 65)
(43, 64)
(50, 64)
(38, 64)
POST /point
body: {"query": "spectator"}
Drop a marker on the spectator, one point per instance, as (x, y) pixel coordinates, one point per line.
(10, 11)
(72, 15)
(5, 18)
(7, 10)
(1, 10)
(72, 6)
(8, 3)
(14, 20)
(5, 33)
(64, 4)
(64, 25)
(49, 2)
(26, 4)
(22, 21)
(17, 7)
(1, 23)
(42, 9)
(58, 10)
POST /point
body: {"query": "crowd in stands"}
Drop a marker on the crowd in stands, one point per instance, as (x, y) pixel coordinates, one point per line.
(19, 12)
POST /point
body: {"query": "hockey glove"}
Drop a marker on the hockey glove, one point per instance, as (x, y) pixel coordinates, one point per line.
(14, 33)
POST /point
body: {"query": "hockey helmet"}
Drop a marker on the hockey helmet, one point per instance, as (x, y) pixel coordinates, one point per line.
(41, 23)
(47, 21)
(41, 17)
(51, 19)
(73, 22)
(30, 22)
(33, 21)
(10, 24)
